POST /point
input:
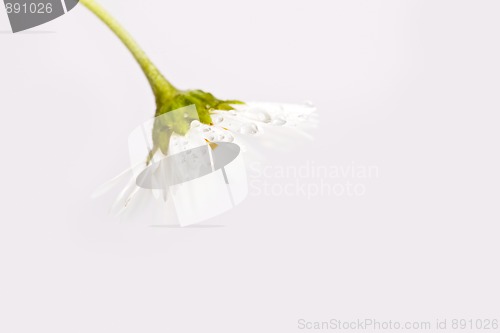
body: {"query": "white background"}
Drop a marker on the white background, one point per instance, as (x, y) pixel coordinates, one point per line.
(409, 86)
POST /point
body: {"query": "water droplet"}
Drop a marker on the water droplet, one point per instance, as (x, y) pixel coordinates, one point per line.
(210, 137)
(207, 129)
(263, 116)
(217, 119)
(228, 137)
(279, 121)
(195, 123)
(258, 114)
(249, 128)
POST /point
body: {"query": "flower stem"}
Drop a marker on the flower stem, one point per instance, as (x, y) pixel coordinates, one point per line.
(161, 87)
(168, 98)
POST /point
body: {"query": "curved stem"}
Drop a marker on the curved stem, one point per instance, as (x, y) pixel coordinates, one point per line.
(162, 88)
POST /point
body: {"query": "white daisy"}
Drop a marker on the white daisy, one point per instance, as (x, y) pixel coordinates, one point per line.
(253, 127)
(185, 120)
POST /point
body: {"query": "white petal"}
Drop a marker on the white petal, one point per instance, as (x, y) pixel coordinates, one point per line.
(124, 198)
(108, 185)
(271, 125)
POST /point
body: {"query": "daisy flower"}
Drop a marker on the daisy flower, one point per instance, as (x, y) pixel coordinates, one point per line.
(187, 119)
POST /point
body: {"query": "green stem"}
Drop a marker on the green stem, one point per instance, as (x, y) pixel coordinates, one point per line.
(161, 87)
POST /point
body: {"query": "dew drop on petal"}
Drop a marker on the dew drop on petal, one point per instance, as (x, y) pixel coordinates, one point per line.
(258, 114)
(263, 116)
(217, 119)
(249, 128)
(278, 121)
(195, 123)
(207, 129)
